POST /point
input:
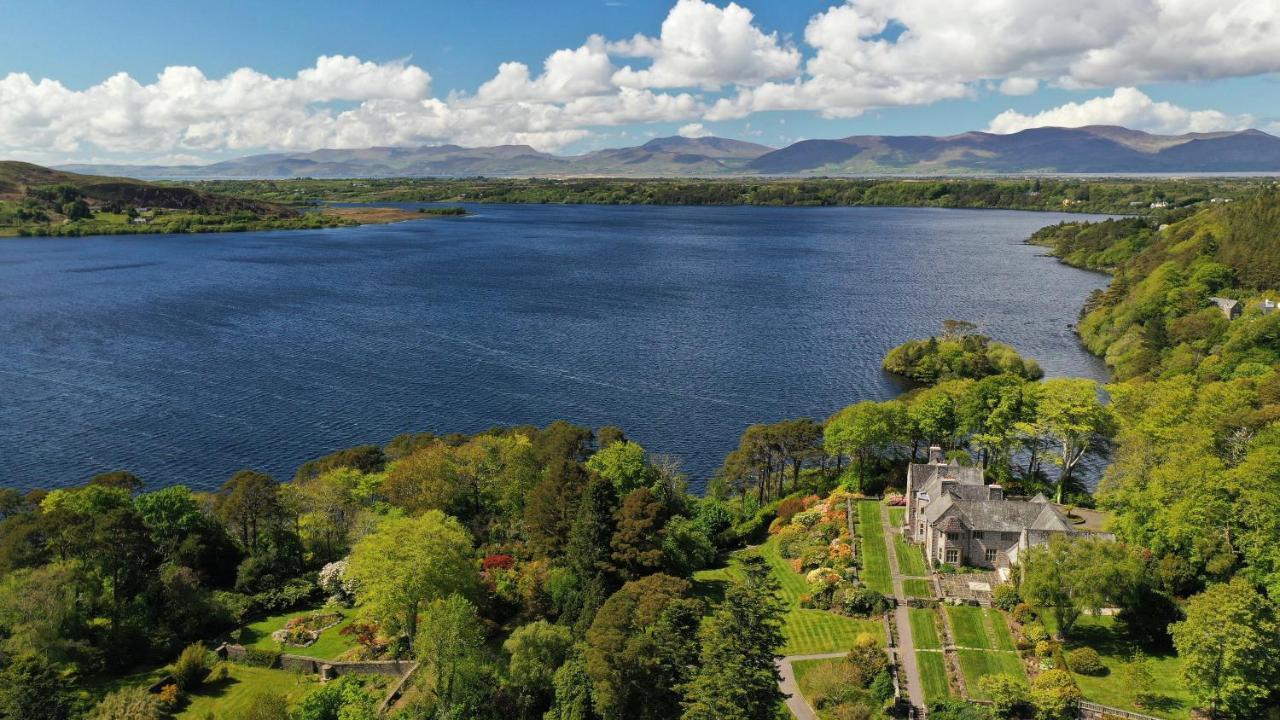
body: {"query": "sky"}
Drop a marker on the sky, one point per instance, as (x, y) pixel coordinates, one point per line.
(186, 82)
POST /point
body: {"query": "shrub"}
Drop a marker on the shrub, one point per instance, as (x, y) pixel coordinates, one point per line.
(861, 601)
(1009, 696)
(1035, 632)
(789, 508)
(168, 697)
(866, 660)
(132, 703)
(1023, 613)
(261, 657)
(192, 667)
(1086, 661)
(1005, 596)
(1054, 693)
(1044, 649)
(882, 686)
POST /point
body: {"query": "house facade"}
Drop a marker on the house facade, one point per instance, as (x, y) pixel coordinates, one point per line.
(961, 520)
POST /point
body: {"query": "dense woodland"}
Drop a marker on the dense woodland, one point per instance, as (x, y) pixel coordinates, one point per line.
(548, 572)
(1128, 196)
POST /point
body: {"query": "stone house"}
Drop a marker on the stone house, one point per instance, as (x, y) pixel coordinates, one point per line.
(960, 520)
(1230, 307)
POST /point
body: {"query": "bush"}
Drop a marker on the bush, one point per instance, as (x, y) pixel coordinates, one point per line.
(1044, 649)
(1005, 596)
(132, 703)
(192, 667)
(168, 697)
(1023, 613)
(1035, 632)
(1086, 661)
(861, 601)
(261, 657)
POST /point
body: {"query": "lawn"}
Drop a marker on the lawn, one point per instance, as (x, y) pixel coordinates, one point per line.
(933, 675)
(875, 558)
(330, 645)
(807, 631)
(924, 629)
(918, 589)
(978, 663)
(896, 516)
(910, 559)
(1003, 638)
(235, 695)
(1099, 632)
(968, 628)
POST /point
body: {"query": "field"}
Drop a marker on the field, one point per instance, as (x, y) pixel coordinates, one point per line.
(918, 589)
(968, 628)
(330, 645)
(807, 631)
(896, 516)
(933, 675)
(924, 629)
(977, 663)
(1100, 633)
(875, 557)
(910, 559)
(234, 696)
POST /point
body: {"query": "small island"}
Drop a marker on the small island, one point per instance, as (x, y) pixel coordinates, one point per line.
(960, 352)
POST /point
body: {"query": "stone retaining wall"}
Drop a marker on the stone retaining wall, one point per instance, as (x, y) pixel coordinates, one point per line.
(314, 665)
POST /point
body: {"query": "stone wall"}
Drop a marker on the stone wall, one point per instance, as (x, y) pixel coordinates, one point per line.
(314, 665)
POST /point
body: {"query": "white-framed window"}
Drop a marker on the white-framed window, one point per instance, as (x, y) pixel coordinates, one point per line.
(991, 556)
(953, 556)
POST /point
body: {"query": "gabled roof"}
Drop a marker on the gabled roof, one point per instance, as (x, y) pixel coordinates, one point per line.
(998, 515)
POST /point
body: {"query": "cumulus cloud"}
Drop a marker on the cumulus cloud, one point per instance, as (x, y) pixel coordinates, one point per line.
(705, 46)
(694, 130)
(1128, 107)
(1019, 86)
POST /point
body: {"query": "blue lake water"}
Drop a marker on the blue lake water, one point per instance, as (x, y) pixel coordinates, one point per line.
(185, 358)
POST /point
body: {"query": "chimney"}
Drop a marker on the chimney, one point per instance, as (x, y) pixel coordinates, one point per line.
(935, 455)
(995, 492)
(947, 484)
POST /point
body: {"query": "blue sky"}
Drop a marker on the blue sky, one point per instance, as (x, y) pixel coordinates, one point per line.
(763, 70)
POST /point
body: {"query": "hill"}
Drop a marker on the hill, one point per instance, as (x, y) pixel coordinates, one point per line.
(1093, 149)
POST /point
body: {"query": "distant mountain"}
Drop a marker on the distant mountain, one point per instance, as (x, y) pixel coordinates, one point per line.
(1093, 149)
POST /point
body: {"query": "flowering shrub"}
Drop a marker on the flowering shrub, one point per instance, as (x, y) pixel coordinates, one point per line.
(498, 562)
(333, 580)
(168, 697)
(809, 518)
(788, 509)
(1023, 613)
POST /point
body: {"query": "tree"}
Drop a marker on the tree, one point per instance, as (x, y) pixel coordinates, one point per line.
(1054, 694)
(122, 479)
(328, 506)
(1228, 643)
(639, 649)
(623, 464)
(449, 647)
(340, 699)
(30, 687)
(862, 430)
(637, 542)
(572, 690)
(248, 503)
(192, 667)
(131, 703)
(552, 505)
(1072, 417)
(686, 547)
(406, 563)
(423, 480)
(1073, 575)
(737, 676)
(537, 651)
(1009, 696)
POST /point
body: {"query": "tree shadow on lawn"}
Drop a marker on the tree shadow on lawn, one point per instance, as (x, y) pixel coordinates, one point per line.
(712, 591)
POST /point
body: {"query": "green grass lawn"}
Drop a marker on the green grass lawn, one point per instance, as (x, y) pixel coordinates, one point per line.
(875, 558)
(977, 663)
(896, 516)
(910, 559)
(1003, 638)
(933, 675)
(918, 589)
(807, 631)
(1100, 633)
(233, 696)
(330, 645)
(966, 625)
(924, 629)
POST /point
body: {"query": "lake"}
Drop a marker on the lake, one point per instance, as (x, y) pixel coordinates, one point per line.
(185, 358)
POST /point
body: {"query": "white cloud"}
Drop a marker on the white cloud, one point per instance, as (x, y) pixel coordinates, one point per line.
(705, 46)
(1128, 107)
(1019, 86)
(694, 130)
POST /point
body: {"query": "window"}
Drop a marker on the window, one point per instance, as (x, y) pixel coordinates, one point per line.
(991, 556)
(953, 537)
(979, 535)
(921, 528)
(953, 556)
(1011, 537)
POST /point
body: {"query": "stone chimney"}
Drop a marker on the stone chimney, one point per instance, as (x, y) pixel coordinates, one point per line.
(995, 492)
(935, 455)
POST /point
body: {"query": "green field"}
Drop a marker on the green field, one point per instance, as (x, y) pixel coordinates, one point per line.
(933, 675)
(1003, 638)
(232, 697)
(330, 645)
(807, 631)
(977, 663)
(1099, 632)
(924, 629)
(918, 589)
(967, 626)
(896, 516)
(875, 557)
(910, 559)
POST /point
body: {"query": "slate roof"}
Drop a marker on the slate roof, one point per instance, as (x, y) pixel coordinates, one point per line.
(997, 515)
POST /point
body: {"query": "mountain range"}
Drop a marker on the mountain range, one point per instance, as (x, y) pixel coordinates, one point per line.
(1092, 149)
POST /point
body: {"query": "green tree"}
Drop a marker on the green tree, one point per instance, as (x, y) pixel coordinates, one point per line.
(572, 690)
(737, 676)
(1072, 417)
(1228, 644)
(30, 687)
(1072, 575)
(340, 699)
(449, 647)
(537, 651)
(863, 430)
(408, 562)
(623, 464)
(1009, 696)
(1054, 695)
(248, 504)
(637, 541)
